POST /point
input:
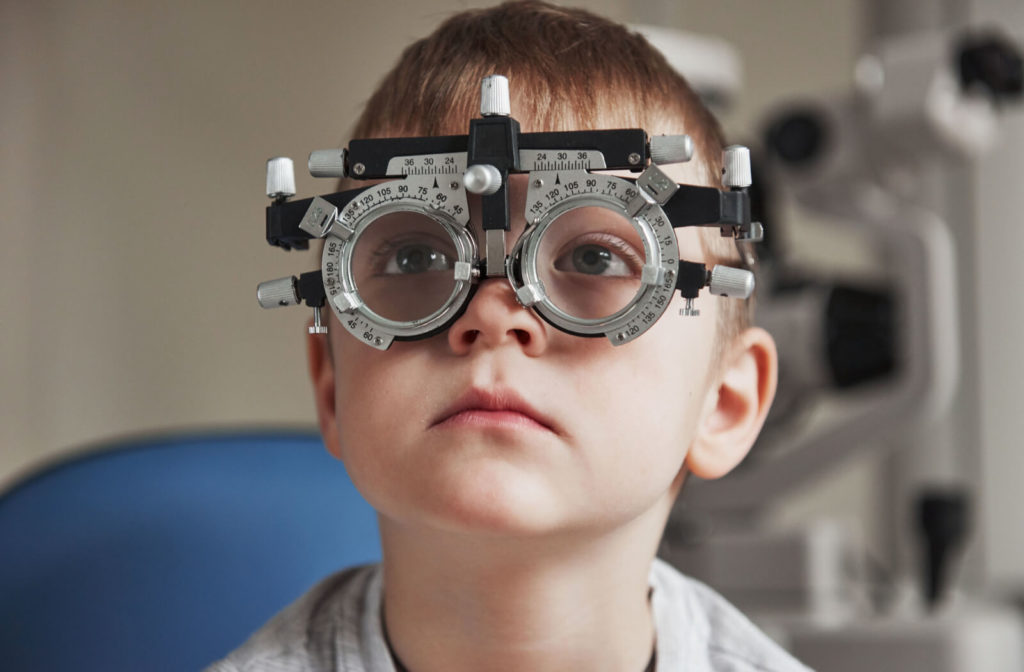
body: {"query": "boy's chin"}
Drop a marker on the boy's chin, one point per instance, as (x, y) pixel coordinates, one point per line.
(500, 502)
(498, 506)
(511, 509)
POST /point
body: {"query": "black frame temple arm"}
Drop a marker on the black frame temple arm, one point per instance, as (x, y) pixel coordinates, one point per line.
(283, 219)
(708, 206)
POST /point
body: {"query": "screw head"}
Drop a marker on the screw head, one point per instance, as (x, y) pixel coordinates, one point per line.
(634, 158)
(359, 169)
(538, 183)
(453, 185)
(378, 340)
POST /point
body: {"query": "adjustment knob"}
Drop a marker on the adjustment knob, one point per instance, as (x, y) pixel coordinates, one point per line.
(667, 149)
(318, 327)
(482, 178)
(280, 177)
(735, 283)
(494, 99)
(736, 167)
(275, 293)
(327, 163)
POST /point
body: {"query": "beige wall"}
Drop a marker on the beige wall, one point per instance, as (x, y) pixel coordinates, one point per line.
(133, 137)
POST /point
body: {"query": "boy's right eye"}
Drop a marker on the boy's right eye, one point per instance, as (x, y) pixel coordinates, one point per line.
(413, 258)
(402, 243)
(403, 269)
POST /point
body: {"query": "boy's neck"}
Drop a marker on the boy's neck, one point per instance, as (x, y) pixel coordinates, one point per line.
(458, 602)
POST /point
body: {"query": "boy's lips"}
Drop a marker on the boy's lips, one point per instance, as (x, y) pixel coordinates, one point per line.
(497, 406)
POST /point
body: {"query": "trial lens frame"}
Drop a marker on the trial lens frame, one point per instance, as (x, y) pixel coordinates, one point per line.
(435, 173)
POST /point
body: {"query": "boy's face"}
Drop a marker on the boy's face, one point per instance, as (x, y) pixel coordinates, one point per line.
(506, 425)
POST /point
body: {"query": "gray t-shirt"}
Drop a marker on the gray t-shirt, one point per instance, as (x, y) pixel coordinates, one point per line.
(337, 626)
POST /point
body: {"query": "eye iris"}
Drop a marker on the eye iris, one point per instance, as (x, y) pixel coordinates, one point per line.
(415, 258)
(591, 259)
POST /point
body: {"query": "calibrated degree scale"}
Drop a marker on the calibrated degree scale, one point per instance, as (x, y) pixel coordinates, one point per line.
(568, 159)
(454, 163)
(550, 188)
(441, 194)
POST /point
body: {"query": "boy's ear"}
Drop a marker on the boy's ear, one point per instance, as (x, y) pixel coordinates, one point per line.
(321, 375)
(736, 405)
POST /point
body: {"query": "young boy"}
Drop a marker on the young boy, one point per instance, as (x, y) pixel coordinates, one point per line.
(523, 475)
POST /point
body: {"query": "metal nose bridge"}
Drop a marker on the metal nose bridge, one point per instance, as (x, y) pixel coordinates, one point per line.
(494, 249)
(496, 264)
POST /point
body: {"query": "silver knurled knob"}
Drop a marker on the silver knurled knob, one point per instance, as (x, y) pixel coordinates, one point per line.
(280, 177)
(482, 178)
(318, 327)
(327, 163)
(735, 283)
(275, 293)
(736, 167)
(494, 99)
(667, 149)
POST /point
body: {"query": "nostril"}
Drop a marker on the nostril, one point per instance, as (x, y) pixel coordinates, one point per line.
(522, 336)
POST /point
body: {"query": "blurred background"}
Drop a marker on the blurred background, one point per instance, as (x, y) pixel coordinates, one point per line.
(134, 139)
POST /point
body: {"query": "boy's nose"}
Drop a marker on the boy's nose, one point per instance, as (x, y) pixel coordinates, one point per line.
(494, 318)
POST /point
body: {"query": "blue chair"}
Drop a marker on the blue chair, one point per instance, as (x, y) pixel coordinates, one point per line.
(165, 554)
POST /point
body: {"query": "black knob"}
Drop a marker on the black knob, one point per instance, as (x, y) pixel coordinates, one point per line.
(860, 335)
(943, 520)
(797, 136)
(993, 62)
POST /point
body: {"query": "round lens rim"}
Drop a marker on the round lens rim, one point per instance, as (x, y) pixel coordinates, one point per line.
(466, 251)
(525, 255)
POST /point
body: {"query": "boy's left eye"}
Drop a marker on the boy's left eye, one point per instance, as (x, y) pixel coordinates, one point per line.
(593, 260)
(599, 255)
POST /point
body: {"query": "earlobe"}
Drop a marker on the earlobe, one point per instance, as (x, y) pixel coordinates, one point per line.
(321, 375)
(736, 405)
